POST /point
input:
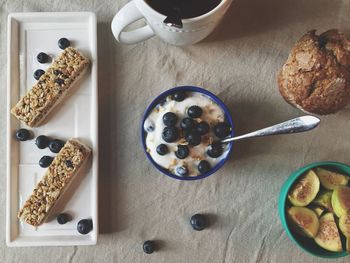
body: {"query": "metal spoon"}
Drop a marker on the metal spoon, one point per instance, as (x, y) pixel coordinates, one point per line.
(301, 124)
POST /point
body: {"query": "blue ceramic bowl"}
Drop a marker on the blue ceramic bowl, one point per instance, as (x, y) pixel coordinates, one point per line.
(305, 243)
(162, 96)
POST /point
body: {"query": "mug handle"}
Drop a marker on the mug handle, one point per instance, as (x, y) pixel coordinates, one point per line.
(126, 16)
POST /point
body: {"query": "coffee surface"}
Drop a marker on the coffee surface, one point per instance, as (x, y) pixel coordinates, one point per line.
(185, 8)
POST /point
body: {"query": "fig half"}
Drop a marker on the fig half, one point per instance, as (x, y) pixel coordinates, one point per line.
(331, 180)
(304, 219)
(305, 190)
(341, 200)
(323, 199)
(328, 236)
(344, 225)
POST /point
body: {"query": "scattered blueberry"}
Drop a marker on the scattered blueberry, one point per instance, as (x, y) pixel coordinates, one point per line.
(182, 151)
(63, 218)
(45, 161)
(63, 43)
(194, 111)
(193, 138)
(42, 141)
(215, 150)
(179, 95)
(188, 123)
(181, 171)
(198, 222)
(84, 226)
(169, 119)
(55, 145)
(38, 73)
(162, 149)
(22, 135)
(42, 58)
(149, 247)
(204, 167)
(222, 129)
(59, 81)
(69, 164)
(170, 134)
(203, 128)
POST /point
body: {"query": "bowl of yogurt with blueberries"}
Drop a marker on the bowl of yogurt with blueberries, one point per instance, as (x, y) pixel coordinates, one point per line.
(181, 133)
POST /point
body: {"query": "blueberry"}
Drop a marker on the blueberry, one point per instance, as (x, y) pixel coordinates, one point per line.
(204, 167)
(170, 134)
(188, 123)
(45, 161)
(63, 43)
(57, 72)
(169, 119)
(162, 149)
(149, 247)
(193, 138)
(42, 58)
(222, 129)
(23, 135)
(194, 111)
(42, 141)
(215, 150)
(55, 145)
(181, 171)
(59, 81)
(203, 128)
(84, 226)
(63, 218)
(148, 125)
(38, 73)
(69, 163)
(182, 151)
(179, 95)
(198, 222)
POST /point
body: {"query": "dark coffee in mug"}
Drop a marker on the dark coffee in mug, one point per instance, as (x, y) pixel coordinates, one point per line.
(185, 8)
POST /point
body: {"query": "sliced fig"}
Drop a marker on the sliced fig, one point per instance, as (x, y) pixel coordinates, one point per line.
(331, 180)
(304, 219)
(344, 225)
(341, 200)
(305, 190)
(328, 236)
(324, 199)
(319, 210)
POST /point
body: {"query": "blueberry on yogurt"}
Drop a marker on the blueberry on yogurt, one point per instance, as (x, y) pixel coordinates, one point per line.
(193, 138)
(182, 151)
(204, 167)
(194, 111)
(203, 128)
(222, 130)
(215, 150)
(170, 134)
(188, 123)
(169, 119)
(162, 149)
(179, 96)
(181, 171)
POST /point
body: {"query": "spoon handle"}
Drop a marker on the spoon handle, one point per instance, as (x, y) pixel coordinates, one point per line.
(300, 124)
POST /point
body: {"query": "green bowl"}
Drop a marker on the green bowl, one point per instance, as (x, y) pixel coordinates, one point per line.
(303, 242)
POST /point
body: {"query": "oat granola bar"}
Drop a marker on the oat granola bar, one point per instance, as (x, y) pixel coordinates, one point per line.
(56, 180)
(51, 88)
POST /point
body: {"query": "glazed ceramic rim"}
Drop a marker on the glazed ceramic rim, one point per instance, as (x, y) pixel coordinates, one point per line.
(190, 89)
(283, 199)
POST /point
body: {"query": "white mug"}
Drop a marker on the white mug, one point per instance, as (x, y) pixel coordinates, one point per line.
(194, 29)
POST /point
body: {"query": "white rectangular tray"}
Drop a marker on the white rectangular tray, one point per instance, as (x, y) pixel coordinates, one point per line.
(29, 34)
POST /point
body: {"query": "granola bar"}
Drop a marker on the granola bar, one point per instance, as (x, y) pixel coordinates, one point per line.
(56, 180)
(51, 88)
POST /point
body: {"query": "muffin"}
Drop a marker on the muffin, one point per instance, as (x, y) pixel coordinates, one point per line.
(316, 76)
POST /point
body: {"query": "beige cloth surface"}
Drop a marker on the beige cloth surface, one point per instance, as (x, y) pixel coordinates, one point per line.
(238, 63)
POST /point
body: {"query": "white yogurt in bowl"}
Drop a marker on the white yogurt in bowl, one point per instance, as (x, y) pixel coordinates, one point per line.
(154, 126)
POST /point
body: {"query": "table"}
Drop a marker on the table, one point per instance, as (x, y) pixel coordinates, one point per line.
(238, 63)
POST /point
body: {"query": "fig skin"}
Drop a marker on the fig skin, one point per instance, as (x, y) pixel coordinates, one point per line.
(304, 219)
(305, 189)
(328, 236)
(341, 200)
(344, 225)
(323, 199)
(331, 180)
